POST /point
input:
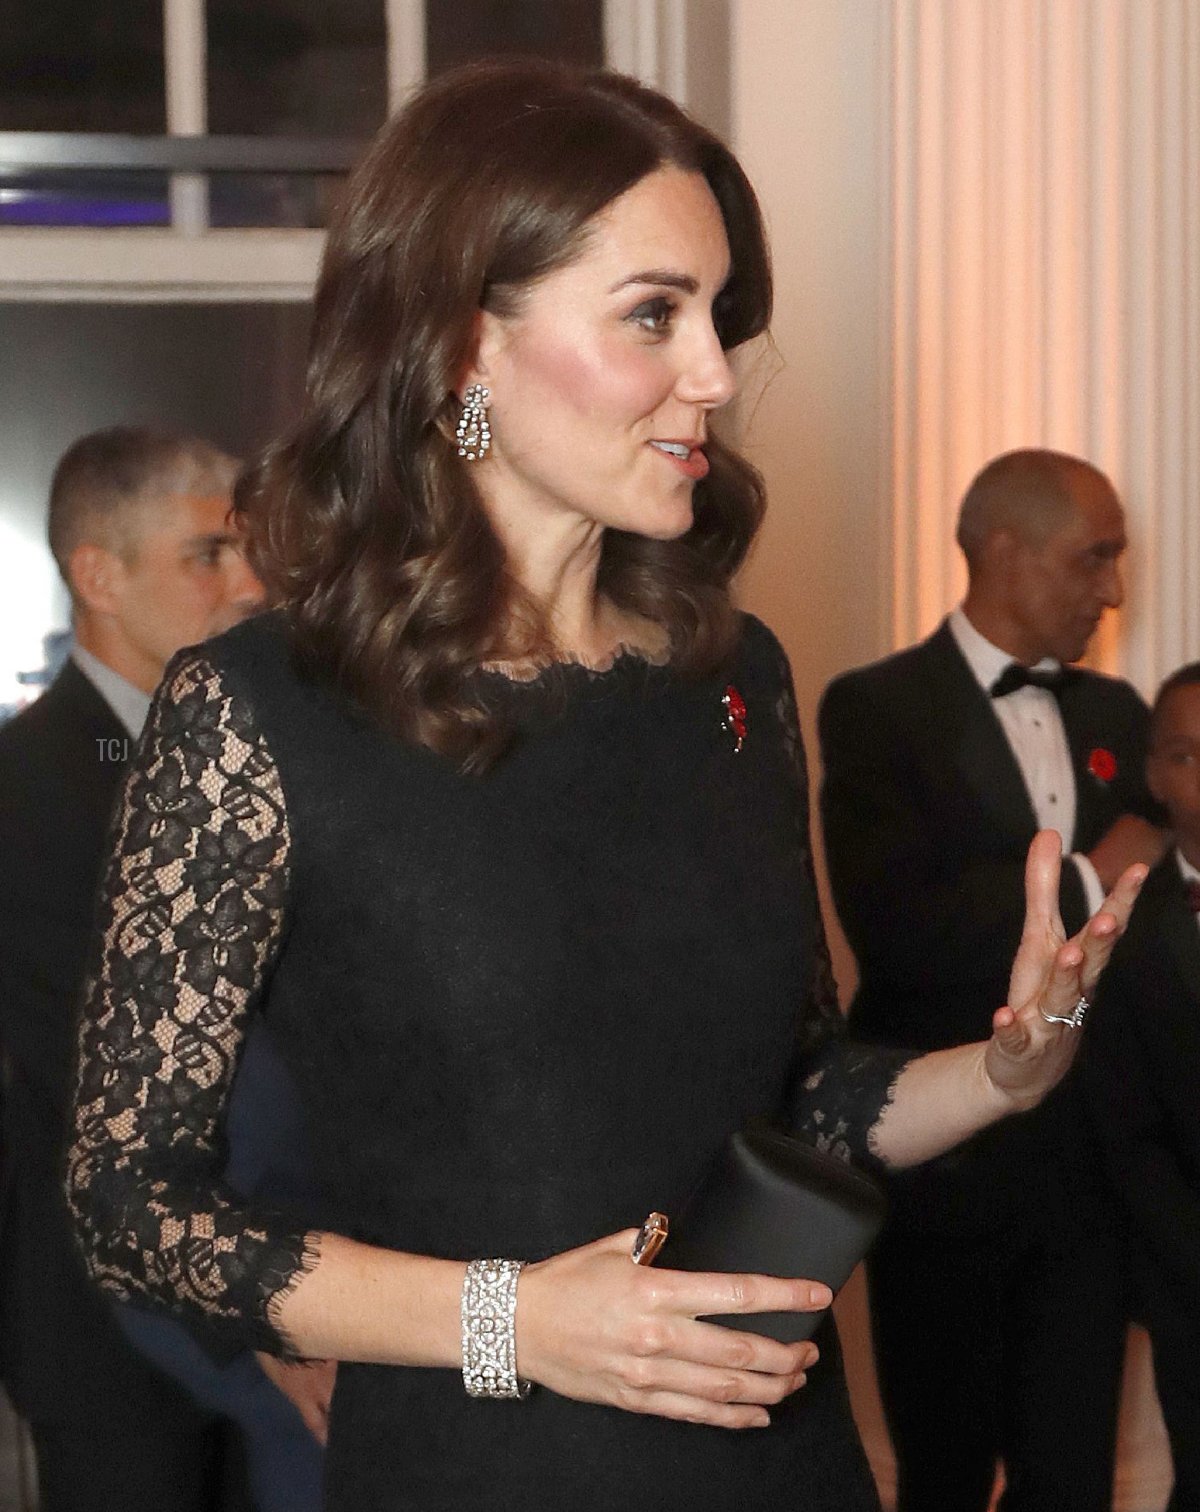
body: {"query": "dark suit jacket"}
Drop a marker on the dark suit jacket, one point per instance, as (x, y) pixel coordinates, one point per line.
(927, 822)
(60, 764)
(1143, 1080)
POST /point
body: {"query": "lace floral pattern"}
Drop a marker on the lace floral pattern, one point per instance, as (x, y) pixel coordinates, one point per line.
(192, 911)
(844, 1086)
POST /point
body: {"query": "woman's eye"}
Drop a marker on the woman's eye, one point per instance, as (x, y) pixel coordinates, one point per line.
(654, 315)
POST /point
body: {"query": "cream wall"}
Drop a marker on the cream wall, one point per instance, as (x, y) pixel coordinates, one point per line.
(807, 75)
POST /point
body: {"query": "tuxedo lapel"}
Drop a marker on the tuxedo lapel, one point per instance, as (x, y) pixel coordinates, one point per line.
(1083, 738)
(960, 712)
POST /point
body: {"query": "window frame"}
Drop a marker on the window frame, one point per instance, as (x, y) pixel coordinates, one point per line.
(191, 261)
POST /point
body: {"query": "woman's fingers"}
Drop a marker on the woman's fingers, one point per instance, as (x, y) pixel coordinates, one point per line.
(1042, 932)
(1062, 985)
(712, 1383)
(691, 1409)
(703, 1368)
(1077, 965)
(704, 1293)
(1054, 975)
(712, 1344)
(1043, 867)
(1027, 1054)
(1099, 936)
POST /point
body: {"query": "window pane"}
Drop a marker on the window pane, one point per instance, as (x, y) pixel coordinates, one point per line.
(572, 30)
(297, 67)
(67, 66)
(272, 199)
(231, 372)
(85, 199)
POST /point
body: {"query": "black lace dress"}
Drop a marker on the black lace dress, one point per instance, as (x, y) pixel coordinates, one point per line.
(521, 1010)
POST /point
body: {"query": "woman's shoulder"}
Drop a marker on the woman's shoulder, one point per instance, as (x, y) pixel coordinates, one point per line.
(759, 651)
(260, 641)
(248, 670)
(252, 654)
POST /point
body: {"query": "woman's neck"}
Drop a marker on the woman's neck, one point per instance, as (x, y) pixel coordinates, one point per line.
(556, 569)
(588, 629)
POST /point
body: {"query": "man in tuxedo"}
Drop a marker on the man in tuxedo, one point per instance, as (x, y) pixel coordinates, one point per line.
(139, 526)
(1142, 1072)
(994, 1290)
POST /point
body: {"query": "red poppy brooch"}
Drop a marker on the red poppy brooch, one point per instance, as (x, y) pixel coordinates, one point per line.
(735, 716)
(1102, 764)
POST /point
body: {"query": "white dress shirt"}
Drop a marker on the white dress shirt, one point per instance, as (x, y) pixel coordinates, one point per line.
(1032, 725)
(128, 703)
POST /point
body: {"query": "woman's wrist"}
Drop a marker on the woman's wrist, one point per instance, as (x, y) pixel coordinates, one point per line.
(489, 1335)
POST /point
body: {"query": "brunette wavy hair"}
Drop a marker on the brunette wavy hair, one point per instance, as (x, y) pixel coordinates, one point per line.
(364, 522)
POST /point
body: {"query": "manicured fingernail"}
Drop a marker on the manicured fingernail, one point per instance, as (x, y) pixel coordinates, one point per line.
(820, 1296)
(762, 1422)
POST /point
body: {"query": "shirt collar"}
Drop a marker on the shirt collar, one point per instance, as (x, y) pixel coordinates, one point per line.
(986, 661)
(128, 703)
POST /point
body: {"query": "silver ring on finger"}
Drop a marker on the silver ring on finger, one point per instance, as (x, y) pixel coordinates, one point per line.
(1074, 1019)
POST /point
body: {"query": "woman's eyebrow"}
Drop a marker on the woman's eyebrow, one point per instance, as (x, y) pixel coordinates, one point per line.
(662, 276)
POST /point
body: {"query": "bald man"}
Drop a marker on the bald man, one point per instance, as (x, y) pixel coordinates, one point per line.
(139, 526)
(995, 1301)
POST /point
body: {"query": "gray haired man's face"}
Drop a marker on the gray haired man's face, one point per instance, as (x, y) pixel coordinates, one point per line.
(183, 579)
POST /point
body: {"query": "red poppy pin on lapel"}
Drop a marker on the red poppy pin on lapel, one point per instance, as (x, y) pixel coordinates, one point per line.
(735, 716)
(1102, 764)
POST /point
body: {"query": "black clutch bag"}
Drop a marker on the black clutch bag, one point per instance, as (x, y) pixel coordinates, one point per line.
(775, 1206)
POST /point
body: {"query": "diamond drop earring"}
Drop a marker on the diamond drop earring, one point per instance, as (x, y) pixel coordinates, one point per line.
(473, 433)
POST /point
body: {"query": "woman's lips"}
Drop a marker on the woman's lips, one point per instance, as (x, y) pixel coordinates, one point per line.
(690, 460)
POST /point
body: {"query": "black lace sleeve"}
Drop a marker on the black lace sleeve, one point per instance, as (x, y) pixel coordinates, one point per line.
(191, 913)
(841, 1087)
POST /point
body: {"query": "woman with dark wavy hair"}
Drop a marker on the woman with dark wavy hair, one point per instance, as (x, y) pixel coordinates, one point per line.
(500, 822)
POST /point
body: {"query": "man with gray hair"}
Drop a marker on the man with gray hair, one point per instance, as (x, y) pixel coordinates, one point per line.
(995, 1290)
(139, 526)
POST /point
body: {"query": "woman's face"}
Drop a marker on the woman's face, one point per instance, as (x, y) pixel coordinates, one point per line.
(602, 383)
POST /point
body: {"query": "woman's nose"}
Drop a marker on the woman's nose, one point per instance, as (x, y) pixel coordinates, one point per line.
(707, 377)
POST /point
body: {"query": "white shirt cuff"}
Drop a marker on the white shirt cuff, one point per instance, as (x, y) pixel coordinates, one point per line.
(1093, 888)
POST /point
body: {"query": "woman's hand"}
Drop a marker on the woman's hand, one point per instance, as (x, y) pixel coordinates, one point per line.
(592, 1325)
(1026, 1056)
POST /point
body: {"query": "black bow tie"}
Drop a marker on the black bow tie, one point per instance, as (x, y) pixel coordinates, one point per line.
(1016, 676)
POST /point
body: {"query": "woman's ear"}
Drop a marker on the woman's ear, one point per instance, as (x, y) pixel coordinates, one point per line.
(488, 339)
